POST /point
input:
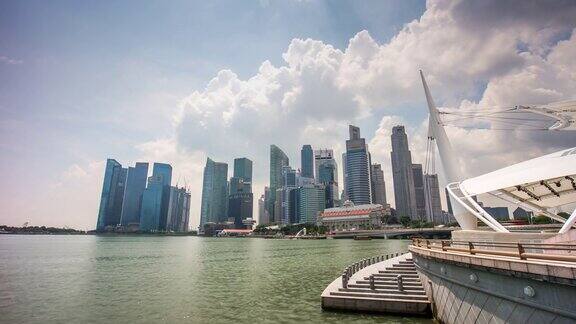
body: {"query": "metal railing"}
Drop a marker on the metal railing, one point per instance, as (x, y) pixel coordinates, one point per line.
(350, 270)
(523, 251)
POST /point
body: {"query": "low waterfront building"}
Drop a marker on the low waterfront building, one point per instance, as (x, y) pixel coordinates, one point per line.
(350, 216)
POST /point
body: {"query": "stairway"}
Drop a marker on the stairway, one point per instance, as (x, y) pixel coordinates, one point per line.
(384, 294)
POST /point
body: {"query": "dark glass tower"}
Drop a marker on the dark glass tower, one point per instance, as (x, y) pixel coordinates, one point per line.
(151, 211)
(307, 161)
(112, 195)
(164, 171)
(357, 169)
(327, 174)
(135, 186)
(278, 160)
(240, 200)
(214, 193)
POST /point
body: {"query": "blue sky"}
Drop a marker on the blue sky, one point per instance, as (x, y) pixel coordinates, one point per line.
(81, 81)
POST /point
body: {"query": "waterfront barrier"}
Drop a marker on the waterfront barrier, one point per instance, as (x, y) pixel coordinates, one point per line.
(350, 270)
(523, 251)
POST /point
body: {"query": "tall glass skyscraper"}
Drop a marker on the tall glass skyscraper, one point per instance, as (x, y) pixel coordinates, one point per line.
(327, 174)
(357, 169)
(307, 161)
(214, 208)
(112, 195)
(278, 160)
(164, 171)
(151, 211)
(403, 176)
(419, 191)
(178, 210)
(135, 186)
(309, 202)
(243, 169)
(378, 185)
(241, 199)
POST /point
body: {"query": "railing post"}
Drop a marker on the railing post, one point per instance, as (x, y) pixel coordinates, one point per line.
(400, 284)
(443, 245)
(344, 280)
(386, 256)
(471, 247)
(372, 285)
(521, 252)
(427, 244)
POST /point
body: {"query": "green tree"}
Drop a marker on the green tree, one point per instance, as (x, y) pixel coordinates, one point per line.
(405, 221)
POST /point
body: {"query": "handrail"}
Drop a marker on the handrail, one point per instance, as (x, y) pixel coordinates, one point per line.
(350, 270)
(520, 249)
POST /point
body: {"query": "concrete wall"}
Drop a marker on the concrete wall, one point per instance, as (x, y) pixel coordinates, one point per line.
(468, 293)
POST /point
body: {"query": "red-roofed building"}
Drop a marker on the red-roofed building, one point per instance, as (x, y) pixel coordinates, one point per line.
(352, 216)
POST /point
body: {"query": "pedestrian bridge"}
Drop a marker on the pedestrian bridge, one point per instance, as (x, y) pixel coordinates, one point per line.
(434, 232)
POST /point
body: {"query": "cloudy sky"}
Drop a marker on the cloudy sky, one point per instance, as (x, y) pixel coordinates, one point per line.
(177, 81)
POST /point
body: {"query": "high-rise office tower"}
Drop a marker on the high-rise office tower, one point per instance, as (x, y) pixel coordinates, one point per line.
(402, 174)
(214, 193)
(132, 201)
(378, 185)
(278, 160)
(262, 217)
(327, 174)
(243, 169)
(178, 210)
(240, 207)
(286, 197)
(419, 191)
(241, 199)
(164, 171)
(112, 195)
(307, 161)
(151, 211)
(433, 202)
(357, 169)
(310, 200)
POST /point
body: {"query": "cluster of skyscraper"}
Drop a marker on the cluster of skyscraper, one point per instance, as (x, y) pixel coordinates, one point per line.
(297, 196)
(417, 195)
(128, 203)
(223, 201)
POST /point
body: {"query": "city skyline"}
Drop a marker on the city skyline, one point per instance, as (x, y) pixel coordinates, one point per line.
(301, 72)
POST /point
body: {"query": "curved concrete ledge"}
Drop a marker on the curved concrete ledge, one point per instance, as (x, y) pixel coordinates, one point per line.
(467, 288)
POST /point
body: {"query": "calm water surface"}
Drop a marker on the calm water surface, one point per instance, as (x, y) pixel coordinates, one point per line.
(124, 279)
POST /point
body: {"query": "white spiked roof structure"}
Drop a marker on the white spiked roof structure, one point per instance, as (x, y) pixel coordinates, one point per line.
(547, 181)
(538, 184)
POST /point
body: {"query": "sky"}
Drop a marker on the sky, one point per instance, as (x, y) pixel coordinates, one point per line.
(180, 81)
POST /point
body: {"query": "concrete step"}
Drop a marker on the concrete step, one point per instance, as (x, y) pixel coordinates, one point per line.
(380, 279)
(367, 289)
(380, 276)
(387, 284)
(395, 266)
(395, 273)
(381, 296)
